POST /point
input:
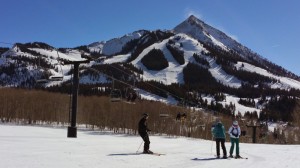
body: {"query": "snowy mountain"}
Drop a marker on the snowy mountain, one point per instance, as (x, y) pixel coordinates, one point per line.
(207, 34)
(194, 61)
(204, 33)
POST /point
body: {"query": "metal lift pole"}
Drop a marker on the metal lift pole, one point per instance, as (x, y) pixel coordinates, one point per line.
(72, 130)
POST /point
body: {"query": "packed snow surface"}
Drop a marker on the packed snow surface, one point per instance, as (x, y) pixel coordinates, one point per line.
(47, 147)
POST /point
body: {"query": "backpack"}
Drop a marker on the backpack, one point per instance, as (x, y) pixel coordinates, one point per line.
(237, 134)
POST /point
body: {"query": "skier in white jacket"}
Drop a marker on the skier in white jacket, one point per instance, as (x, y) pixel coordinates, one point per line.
(234, 132)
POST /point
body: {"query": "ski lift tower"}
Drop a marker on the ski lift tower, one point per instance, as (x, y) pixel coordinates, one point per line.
(72, 130)
(254, 126)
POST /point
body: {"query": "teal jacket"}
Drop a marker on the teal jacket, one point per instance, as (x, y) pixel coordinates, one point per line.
(219, 131)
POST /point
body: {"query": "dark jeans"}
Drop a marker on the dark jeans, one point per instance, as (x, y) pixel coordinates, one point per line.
(146, 140)
(222, 142)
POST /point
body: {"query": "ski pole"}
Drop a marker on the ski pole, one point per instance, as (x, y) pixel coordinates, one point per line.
(139, 147)
(212, 141)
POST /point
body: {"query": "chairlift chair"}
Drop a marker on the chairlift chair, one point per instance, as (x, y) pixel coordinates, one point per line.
(115, 95)
(163, 113)
(41, 81)
(56, 78)
(51, 78)
(181, 116)
(130, 94)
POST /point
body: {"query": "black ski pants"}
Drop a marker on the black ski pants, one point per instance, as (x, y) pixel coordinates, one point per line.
(222, 142)
(146, 141)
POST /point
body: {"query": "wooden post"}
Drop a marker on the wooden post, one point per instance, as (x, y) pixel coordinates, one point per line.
(254, 132)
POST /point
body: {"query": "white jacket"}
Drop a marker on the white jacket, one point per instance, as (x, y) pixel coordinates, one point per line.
(234, 130)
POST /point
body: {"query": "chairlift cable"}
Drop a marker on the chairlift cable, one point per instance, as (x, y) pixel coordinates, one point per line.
(111, 77)
(58, 60)
(149, 84)
(1, 42)
(180, 98)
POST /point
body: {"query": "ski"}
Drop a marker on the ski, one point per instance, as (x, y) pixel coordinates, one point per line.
(156, 154)
(222, 157)
(231, 157)
(240, 157)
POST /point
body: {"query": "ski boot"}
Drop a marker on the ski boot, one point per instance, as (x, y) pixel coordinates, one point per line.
(148, 152)
(238, 157)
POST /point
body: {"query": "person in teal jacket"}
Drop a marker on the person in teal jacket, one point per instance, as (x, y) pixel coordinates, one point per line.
(219, 135)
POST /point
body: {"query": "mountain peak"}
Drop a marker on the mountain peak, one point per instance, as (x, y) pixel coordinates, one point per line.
(205, 33)
(193, 18)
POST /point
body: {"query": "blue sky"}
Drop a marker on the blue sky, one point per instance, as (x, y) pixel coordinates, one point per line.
(269, 27)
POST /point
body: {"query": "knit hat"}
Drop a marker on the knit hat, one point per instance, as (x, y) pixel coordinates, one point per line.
(218, 120)
(235, 123)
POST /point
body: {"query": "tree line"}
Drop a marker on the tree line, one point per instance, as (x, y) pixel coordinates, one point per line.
(35, 107)
(96, 112)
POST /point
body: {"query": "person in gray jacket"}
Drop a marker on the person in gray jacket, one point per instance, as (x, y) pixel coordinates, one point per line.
(234, 132)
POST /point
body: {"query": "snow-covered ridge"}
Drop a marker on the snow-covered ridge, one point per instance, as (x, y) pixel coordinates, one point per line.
(283, 82)
(115, 45)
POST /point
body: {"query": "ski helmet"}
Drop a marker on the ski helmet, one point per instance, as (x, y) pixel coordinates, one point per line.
(235, 123)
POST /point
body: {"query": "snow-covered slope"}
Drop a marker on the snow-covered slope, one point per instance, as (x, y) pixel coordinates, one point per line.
(115, 45)
(173, 73)
(282, 82)
(35, 67)
(36, 147)
(220, 75)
